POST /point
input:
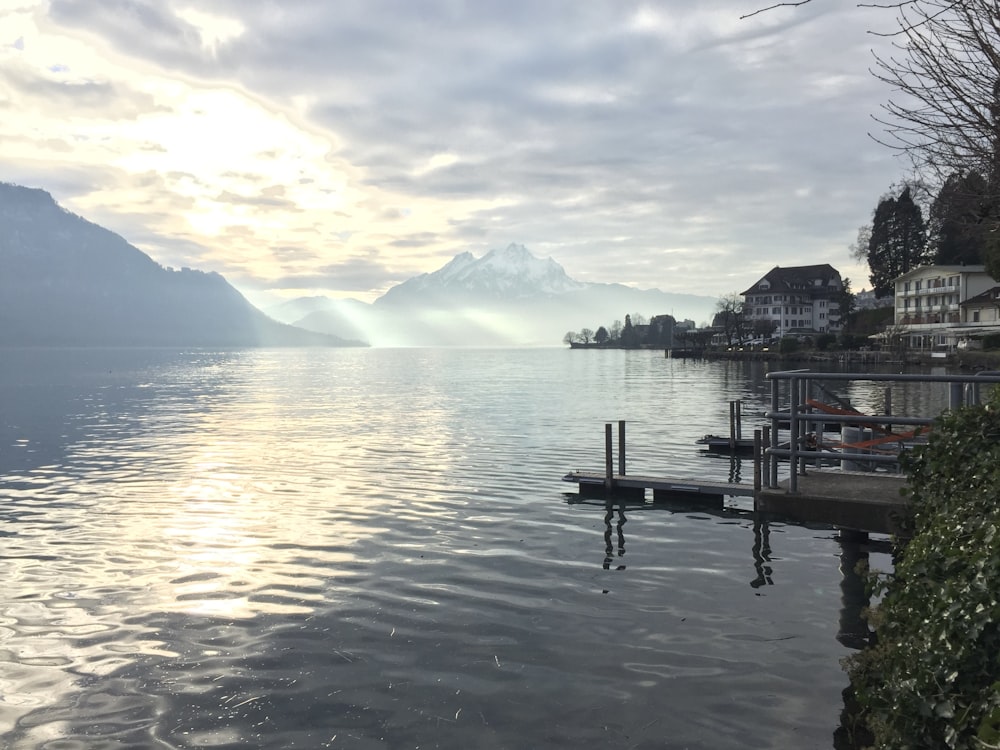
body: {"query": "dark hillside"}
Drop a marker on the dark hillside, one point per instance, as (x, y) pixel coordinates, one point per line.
(65, 281)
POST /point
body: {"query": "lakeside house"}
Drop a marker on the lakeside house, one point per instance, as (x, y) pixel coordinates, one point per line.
(796, 300)
(946, 306)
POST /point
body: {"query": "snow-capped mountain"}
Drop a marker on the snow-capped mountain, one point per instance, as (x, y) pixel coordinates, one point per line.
(509, 274)
(505, 298)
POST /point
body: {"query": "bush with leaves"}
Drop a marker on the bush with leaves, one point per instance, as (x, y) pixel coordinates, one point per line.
(932, 679)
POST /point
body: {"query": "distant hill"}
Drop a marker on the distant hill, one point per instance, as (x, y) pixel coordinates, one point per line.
(65, 281)
(508, 297)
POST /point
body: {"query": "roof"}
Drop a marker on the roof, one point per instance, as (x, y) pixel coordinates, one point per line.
(989, 297)
(796, 278)
(920, 270)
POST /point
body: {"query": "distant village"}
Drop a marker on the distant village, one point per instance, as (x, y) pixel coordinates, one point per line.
(933, 309)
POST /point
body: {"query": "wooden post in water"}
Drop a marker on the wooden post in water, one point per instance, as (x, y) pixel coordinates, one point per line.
(732, 426)
(621, 447)
(739, 420)
(609, 464)
(758, 455)
(765, 459)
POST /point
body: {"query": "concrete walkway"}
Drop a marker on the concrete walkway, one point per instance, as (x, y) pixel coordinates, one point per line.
(858, 500)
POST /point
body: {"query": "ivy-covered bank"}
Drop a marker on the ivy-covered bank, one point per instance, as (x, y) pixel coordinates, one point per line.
(932, 679)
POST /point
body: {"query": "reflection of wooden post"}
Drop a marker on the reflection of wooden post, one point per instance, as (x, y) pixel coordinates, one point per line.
(621, 447)
(609, 476)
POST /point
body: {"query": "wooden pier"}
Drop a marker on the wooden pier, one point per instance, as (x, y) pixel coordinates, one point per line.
(594, 483)
(852, 501)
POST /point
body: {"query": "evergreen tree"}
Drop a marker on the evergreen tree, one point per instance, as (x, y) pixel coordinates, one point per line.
(957, 231)
(898, 241)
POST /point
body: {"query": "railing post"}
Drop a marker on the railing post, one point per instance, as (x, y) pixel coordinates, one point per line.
(955, 395)
(793, 434)
(773, 460)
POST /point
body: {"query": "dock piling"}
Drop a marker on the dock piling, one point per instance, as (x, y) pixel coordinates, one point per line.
(621, 447)
(609, 464)
(757, 468)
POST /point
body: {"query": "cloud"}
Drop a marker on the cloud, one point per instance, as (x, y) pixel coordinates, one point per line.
(652, 144)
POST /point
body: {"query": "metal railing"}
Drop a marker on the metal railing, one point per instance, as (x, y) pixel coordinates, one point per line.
(802, 392)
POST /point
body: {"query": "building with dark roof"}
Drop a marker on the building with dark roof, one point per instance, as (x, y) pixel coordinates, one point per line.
(796, 300)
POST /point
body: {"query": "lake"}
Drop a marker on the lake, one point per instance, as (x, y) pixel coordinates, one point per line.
(373, 548)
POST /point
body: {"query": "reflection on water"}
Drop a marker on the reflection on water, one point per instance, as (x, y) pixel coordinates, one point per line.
(853, 631)
(609, 548)
(762, 553)
(371, 549)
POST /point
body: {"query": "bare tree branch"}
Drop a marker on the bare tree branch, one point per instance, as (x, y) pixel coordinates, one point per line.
(776, 5)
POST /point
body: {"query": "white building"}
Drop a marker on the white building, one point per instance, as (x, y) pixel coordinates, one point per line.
(797, 300)
(929, 304)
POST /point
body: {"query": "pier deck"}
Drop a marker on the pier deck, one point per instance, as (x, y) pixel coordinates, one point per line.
(862, 501)
(593, 481)
(855, 500)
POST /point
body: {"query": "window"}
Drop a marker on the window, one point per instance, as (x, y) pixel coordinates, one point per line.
(822, 303)
(975, 316)
(822, 316)
(775, 311)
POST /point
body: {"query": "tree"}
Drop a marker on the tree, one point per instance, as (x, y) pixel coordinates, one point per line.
(898, 241)
(601, 336)
(586, 335)
(730, 317)
(956, 228)
(845, 302)
(616, 330)
(945, 112)
(570, 338)
(630, 337)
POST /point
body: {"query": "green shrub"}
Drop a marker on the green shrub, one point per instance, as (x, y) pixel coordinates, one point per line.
(932, 679)
(825, 340)
(788, 345)
(991, 341)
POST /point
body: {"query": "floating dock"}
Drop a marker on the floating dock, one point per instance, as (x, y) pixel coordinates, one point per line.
(594, 483)
(854, 500)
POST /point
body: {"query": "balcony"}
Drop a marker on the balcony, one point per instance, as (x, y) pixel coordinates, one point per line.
(935, 318)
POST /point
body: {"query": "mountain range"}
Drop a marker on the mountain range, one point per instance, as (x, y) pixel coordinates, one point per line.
(508, 297)
(68, 282)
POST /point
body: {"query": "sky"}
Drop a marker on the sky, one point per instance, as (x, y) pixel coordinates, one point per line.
(303, 147)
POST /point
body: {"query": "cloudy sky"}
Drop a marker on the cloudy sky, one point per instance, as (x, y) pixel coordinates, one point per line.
(306, 147)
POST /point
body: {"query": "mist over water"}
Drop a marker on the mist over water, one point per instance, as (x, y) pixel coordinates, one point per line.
(372, 548)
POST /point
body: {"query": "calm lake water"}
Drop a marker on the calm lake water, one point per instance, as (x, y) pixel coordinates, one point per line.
(374, 549)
